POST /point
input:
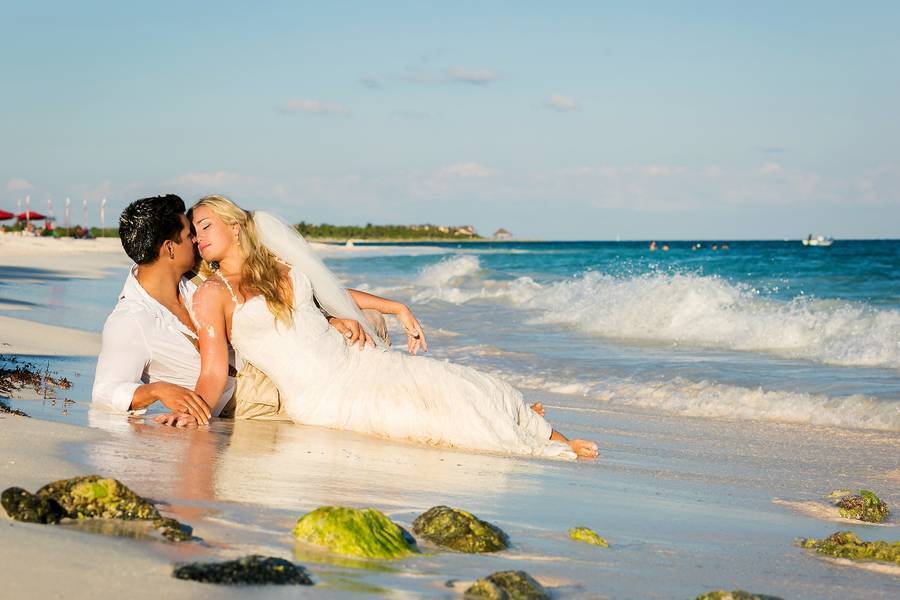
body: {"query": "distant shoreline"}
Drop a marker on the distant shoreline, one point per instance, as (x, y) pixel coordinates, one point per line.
(343, 241)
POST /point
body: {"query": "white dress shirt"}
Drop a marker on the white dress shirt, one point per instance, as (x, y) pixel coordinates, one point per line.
(143, 342)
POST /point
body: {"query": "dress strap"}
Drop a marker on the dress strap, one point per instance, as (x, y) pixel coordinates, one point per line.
(228, 285)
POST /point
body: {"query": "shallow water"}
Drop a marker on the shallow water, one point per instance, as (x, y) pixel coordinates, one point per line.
(698, 437)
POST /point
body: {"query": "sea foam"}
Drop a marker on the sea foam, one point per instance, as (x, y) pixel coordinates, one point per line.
(681, 396)
(700, 311)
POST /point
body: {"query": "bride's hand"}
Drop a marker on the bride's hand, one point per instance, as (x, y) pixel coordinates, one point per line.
(415, 335)
(353, 331)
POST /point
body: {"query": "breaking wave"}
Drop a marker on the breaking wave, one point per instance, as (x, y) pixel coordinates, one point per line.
(701, 311)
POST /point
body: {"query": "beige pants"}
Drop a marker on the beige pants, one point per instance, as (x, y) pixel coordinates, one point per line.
(256, 397)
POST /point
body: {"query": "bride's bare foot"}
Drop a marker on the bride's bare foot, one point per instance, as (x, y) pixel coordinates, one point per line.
(584, 448)
(538, 408)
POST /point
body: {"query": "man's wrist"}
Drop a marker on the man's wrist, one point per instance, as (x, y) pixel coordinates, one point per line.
(144, 396)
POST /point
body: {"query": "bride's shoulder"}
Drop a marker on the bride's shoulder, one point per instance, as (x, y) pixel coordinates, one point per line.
(213, 291)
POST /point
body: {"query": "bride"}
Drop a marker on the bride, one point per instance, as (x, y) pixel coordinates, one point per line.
(263, 293)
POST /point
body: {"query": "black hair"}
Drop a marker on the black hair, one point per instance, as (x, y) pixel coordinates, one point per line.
(146, 224)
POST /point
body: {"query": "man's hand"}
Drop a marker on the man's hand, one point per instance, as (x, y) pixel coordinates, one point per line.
(415, 336)
(176, 419)
(353, 331)
(182, 400)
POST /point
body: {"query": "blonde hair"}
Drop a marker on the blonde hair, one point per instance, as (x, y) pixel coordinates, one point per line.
(260, 273)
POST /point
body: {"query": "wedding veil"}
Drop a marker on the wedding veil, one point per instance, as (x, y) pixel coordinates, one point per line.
(286, 243)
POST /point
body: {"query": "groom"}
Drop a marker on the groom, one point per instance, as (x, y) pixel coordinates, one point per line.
(150, 349)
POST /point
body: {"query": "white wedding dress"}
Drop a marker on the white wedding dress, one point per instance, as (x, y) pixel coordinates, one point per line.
(325, 382)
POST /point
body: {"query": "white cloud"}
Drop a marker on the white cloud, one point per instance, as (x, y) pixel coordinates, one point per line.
(562, 103)
(770, 168)
(314, 107)
(474, 76)
(209, 181)
(17, 184)
(466, 170)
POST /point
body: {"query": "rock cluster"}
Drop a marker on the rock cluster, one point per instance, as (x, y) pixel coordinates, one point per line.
(459, 530)
(354, 532)
(864, 505)
(248, 570)
(507, 585)
(846, 544)
(90, 497)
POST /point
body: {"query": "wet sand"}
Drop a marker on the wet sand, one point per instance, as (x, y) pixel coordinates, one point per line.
(686, 504)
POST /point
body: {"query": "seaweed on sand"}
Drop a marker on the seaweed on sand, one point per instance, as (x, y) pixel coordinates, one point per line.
(846, 544)
(864, 505)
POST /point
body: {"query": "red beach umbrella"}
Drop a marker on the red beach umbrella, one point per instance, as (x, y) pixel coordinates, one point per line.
(29, 215)
(5, 215)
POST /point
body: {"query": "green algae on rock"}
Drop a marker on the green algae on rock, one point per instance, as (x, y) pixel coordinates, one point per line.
(248, 570)
(22, 505)
(507, 585)
(95, 497)
(588, 536)
(459, 530)
(846, 544)
(735, 595)
(864, 505)
(354, 532)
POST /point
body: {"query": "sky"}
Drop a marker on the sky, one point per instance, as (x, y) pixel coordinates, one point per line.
(574, 120)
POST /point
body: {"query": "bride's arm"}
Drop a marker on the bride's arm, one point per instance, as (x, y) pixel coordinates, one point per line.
(415, 335)
(365, 300)
(209, 304)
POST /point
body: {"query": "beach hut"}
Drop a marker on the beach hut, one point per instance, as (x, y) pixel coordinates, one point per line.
(502, 234)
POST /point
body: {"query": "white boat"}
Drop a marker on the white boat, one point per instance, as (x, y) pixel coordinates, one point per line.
(819, 240)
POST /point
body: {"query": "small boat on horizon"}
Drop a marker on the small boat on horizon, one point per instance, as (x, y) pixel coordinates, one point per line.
(819, 240)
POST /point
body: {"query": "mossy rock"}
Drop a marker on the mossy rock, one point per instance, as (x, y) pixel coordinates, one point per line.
(248, 570)
(90, 497)
(864, 505)
(354, 532)
(846, 544)
(588, 536)
(507, 585)
(98, 497)
(735, 595)
(22, 505)
(459, 530)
